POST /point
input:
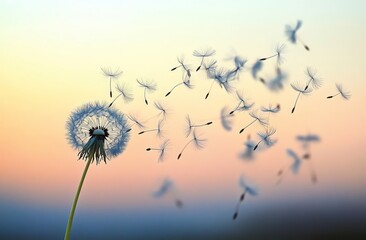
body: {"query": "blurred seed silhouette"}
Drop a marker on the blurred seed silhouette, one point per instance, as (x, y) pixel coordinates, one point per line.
(124, 92)
(202, 54)
(280, 49)
(198, 143)
(345, 95)
(149, 86)
(248, 153)
(247, 188)
(209, 67)
(158, 129)
(108, 72)
(265, 137)
(239, 66)
(256, 117)
(292, 35)
(190, 125)
(277, 82)
(186, 82)
(257, 66)
(306, 140)
(301, 91)
(243, 104)
(294, 167)
(167, 188)
(162, 149)
(185, 68)
(225, 119)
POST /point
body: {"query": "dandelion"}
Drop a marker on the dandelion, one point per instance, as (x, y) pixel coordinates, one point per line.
(124, 92)
(161, 149)
(191, 126)
(98, 132)
(301, 91)
(248, 153)
(292, 35)
(265, 137)
(186, 82)
(149, 86)
(185, 68)
(225, 121)
(346, 95)
(158, 129)
(257, 66)
(256, 117)
(108, 72)
(279, 54)
(196, 140)
(202, 54)
(210, 67)
(251, 189)
(167, 188)
(163, 111)
(243, 104)
(294, 166)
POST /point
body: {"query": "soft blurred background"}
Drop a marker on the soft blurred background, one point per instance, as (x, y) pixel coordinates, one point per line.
(51, 53)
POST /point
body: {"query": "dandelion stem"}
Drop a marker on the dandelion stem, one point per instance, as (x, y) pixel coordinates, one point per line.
(237, 107)
(114, 100)
(208, 93)
(71, 217)
(293, 109)
(180, 154)
(247, 126)
(332, 96)
(173, 89)
(263, 59)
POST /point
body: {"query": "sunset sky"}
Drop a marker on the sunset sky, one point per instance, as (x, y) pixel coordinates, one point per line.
(51, 54)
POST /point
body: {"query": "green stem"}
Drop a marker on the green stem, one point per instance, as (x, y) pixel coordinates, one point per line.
(71, 217)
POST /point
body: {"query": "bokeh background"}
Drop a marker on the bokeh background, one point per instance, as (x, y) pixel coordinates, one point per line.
(51, 53)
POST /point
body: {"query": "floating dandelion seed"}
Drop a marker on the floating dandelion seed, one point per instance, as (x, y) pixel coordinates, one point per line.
(292, 35)
(158, 129)
(294, 167)
(186, 82)
(190, 125)
(99, 133)
(149, 86)
(251, 189)
(198, 143)
(313, 80)
(256, 117)
(243, 104)
(306, 140)
(124, 91)
(265, 137)
(220, 76)
(167, 188)
(185, 68)
(280, 49)
(163, 110)
(257, 66)
(225, 119)
(301, 91)
(248, 153)
(202, 54)
(162, 149)
(108, 72)
(271, 109)
(209, 67)
(346, 95)
(135, 121)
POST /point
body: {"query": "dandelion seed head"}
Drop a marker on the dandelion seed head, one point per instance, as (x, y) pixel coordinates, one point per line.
(314, 81)
(346, 95)
(260, 119)
(198, 142)
(163, 110)
(266, 136)
(108, 72)
(125, 92)
(163, 149)
(208, 52)
(226, 122)
(280, 50)
(136, 121)
(97, 131)
(298, 88)
(148, 85)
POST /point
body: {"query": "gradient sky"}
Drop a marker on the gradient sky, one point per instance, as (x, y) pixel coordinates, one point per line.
(50, 58)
